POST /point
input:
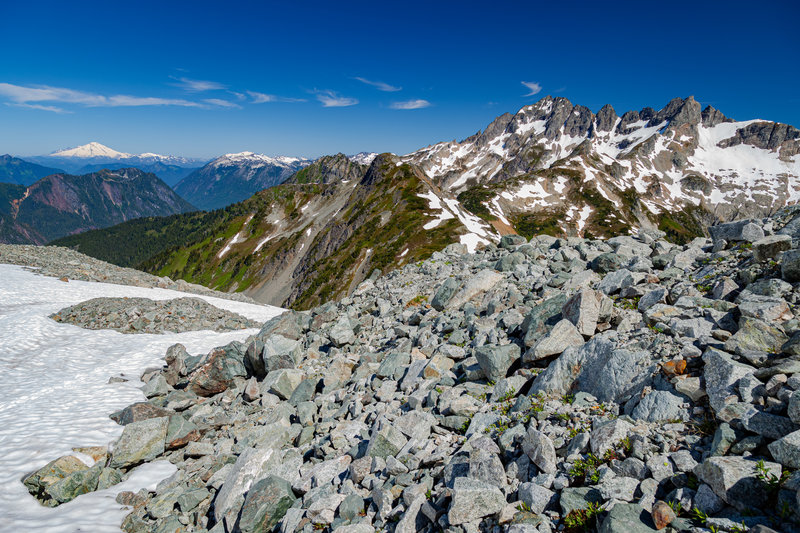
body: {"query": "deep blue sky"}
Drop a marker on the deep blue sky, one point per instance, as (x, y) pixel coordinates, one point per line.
(465, 61)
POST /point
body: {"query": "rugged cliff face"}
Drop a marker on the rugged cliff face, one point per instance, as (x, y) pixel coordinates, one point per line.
(62, 204)
(322, 232)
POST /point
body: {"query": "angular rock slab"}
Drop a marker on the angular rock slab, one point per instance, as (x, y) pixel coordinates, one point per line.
(140, 441)
(496, 360)
(473, 499)
(735, 480)
(265, 505)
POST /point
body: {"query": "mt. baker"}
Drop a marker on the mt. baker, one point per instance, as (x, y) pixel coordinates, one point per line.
(94, 156)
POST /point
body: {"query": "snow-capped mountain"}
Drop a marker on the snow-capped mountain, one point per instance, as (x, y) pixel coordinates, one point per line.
(91, 150)
(95, 151)
(559, 167)
(232, 178)
(363, 158)
(253, 160)
(94, 156)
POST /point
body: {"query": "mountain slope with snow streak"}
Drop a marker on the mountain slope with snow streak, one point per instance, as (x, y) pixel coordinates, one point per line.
(55, 379)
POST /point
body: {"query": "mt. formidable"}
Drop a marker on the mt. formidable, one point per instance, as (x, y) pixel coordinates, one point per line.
(232, 178)
(558, 168)
(61, 204)
(552, 168)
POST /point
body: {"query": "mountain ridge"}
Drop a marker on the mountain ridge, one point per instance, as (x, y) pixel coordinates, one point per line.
(232, 178)
(21, 172)
(61, 204)
(552, 168)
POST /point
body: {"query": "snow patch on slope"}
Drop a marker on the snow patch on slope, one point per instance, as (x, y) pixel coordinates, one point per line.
(54, 379)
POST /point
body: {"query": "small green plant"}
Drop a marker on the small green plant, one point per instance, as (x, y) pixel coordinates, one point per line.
(582, 520)
(568, 399)
(699, 515)
(417, 300)
(772, 481)
(563, 416)
(677, 507)
(524, 507)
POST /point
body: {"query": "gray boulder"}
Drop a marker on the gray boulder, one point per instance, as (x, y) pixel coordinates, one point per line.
(280, 352)
(265, 505)
(445, 292)
(563, 335)
(627, 518)
(473, 499)
(786, 450)
(583, 310)
(722, 374)
(140, 441)
(660, 406)
(477, 284)
(541, 319)
(539, 449)
(735, 480)
(790, 266)
(742, 230)
(496, 360)
(599, 369)
(536, 497)
(769, 247)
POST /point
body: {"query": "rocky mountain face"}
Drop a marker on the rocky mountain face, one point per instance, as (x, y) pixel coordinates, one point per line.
(235, 177)
(558, 168)
(62, 204)
(20, 172)
(554, 384)
(318, 235)
(322, 232)
(94, 156)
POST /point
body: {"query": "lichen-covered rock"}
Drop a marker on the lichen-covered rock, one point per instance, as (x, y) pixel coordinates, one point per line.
(140, 441)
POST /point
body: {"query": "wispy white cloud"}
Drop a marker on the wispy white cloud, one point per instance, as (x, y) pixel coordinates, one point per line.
(221, 103)
(411, 104)
(333, 99)
(381, 86)
(29, 96)
(533, 86)
(197, 86)
(50, 108)
(262, 98)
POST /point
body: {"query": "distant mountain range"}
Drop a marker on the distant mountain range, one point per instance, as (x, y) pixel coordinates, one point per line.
(553, 167)
(94, 156)
(20, 172)
(235, 177)
(62, 204)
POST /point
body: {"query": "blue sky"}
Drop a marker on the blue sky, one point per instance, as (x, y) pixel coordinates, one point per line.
(204, 78)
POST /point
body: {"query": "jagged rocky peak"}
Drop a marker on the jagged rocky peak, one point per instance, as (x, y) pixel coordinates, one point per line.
(377, 169)
(606, 118)
(711, 117)
(330, 169)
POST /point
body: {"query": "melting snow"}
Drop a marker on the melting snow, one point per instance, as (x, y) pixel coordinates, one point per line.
(434, 203)
(583, 216)
(56, 393)
(239, 237)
